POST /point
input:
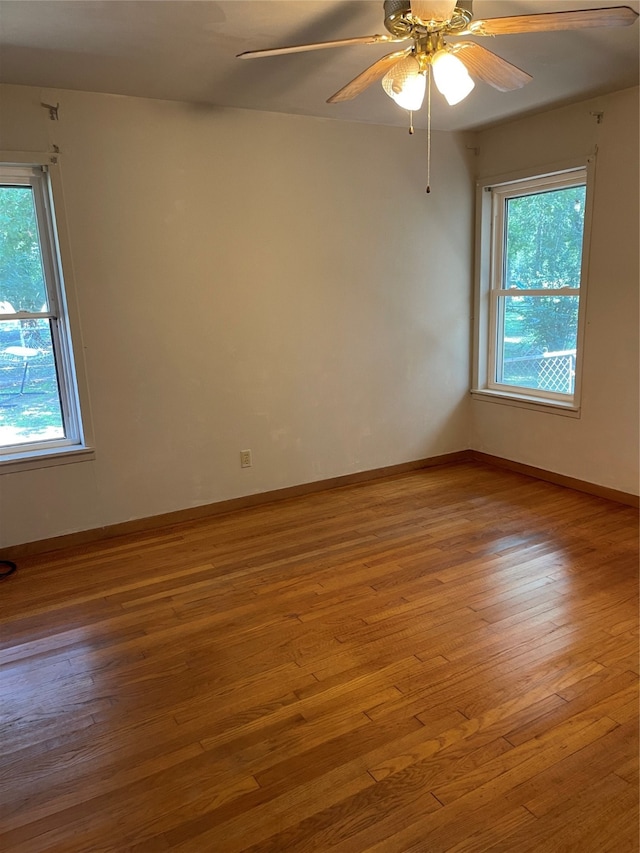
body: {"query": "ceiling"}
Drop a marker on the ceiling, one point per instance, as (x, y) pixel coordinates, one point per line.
(184, 50)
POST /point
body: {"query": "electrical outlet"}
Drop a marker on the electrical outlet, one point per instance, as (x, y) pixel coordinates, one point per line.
(245, 459)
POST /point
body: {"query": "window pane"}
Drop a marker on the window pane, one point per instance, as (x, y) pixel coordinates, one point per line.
(30, 408)
(22, 286)
(544, 239)
(539, 342)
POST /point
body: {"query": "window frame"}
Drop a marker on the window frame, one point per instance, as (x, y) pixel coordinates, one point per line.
(42, 173)
(491, 199)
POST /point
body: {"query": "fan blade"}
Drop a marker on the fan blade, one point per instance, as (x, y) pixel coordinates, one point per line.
(489, 67)
(318, 45)
(433, 10)
(368, 76)
(615, 16)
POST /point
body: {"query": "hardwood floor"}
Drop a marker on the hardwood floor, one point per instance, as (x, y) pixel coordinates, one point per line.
(445, 660)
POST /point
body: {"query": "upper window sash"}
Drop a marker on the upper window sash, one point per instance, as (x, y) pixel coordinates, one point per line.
(519, 189)
(36, 178)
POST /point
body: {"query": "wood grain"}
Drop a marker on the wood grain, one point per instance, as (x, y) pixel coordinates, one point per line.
(441, 660)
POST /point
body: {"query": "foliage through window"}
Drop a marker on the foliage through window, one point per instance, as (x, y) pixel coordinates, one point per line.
(533, 287)
(39, 407)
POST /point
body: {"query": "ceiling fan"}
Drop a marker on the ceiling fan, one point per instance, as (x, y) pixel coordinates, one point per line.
(427, 23)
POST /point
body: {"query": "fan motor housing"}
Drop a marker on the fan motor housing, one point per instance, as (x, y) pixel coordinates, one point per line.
(399, 22)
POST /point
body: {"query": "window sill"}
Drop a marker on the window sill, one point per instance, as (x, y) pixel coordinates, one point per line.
(522, 401)
(14, 462)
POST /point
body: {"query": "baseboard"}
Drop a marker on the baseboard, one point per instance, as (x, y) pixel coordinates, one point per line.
(141, 525)
(558, 479)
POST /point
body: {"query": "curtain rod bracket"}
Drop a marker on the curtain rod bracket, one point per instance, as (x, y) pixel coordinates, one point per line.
(53, 111)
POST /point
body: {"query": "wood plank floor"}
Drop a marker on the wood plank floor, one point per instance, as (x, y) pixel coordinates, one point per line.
(440, 661)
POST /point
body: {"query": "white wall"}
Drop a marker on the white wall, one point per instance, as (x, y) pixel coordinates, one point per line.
(248, 280)
(601, 446)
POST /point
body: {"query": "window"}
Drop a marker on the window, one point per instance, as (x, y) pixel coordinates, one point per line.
(39, 402)
(532, 267)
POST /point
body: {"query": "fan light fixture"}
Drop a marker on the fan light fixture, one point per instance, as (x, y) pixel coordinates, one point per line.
(451, 77)
(406, 83)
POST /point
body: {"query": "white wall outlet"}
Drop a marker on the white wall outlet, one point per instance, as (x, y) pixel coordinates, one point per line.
(245, 459)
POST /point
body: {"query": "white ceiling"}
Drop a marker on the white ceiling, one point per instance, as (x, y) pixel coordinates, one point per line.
(184, 50)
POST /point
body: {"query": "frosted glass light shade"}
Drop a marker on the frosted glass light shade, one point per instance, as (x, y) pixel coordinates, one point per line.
(433, 10)
(451, 77)
(405, 83)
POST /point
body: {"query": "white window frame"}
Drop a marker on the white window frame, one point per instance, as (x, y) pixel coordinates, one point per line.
(42, 173)
(491, 198)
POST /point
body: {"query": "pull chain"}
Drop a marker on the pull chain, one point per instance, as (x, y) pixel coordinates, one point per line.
(411, 130)
(429, 130)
